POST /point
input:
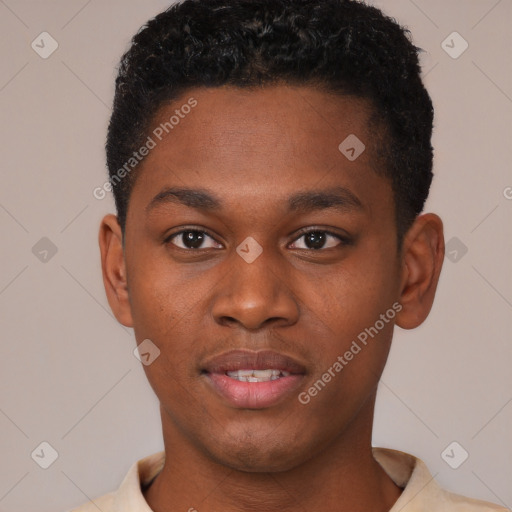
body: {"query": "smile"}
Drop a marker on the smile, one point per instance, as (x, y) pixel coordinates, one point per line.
(257, 375)
(253, 380)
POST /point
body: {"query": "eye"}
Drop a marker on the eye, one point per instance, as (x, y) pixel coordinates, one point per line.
(193, 239)
(318, 239)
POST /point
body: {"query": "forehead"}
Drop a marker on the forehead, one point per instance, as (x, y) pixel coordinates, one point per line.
(260, 144)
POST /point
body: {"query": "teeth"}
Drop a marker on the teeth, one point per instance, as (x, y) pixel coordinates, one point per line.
(257, 375)
(245, 373)
(262, 374)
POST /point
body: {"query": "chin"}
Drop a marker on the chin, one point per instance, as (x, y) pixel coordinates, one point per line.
(257, 452)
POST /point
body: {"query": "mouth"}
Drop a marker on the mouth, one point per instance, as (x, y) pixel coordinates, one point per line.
(237, 361)
(257, 375)
(253, 380)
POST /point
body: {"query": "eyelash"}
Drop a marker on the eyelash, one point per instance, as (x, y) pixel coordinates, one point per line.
(344, 240)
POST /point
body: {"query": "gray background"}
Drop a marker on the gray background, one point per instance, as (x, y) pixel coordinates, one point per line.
(69, 376)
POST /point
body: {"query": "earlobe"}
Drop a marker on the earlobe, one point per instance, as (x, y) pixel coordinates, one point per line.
(422, 260)
(114, 269)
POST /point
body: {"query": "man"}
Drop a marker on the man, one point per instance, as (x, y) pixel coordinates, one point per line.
(270, 160)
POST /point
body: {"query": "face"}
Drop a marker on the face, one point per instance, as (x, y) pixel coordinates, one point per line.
(253, 243)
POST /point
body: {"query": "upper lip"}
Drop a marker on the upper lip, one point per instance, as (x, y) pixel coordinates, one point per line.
(248, 360)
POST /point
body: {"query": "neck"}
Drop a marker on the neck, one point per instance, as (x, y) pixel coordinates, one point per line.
(343, 477)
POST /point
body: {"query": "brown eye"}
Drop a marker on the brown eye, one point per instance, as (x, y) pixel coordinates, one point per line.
(317, 239)
(193, 239)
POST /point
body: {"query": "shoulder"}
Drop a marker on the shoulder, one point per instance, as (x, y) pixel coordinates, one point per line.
(458, 503)
(129, 495)
(421, 492)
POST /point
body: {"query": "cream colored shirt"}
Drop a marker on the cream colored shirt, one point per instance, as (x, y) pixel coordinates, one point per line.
(420, 491)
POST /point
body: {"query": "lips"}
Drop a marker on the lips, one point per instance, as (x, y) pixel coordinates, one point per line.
(246, 360)
(253, 380)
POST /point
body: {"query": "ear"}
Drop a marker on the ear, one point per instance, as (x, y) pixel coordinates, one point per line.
(114, 269)
(422, 260)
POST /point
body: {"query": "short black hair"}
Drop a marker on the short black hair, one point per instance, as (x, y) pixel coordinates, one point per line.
(344, 46)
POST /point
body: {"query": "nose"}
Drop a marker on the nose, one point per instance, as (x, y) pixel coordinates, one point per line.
(255, 295)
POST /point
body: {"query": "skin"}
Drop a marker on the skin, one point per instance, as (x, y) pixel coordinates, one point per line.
(253, 149)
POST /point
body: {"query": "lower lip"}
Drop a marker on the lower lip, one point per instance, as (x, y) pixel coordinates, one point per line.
(253, 395)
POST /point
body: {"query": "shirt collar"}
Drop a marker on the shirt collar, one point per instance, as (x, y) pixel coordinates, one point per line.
(421, 493)
(129, 497)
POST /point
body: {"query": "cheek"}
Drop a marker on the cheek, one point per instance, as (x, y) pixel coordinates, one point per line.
(349, 357)
(355, 316)
(169, 310)
(353, 298)
(162, 304)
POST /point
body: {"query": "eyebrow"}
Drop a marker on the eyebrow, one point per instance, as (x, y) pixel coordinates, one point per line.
(338, 198)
